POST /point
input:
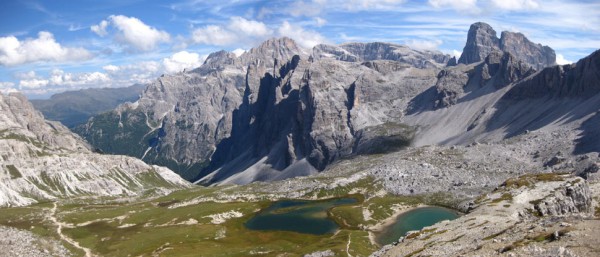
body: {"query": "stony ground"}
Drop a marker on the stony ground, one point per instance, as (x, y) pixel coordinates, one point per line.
(532, 215)
(16, 242)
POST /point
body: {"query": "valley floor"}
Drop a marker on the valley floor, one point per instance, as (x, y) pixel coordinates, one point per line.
(209, 221)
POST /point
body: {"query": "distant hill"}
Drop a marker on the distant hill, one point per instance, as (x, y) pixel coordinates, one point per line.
(72, 108)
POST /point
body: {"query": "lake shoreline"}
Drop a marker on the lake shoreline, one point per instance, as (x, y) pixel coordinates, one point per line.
(432, 214)
(388, 222)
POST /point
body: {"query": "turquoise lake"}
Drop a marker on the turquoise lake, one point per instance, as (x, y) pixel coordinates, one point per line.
(309, 217)
(414, 220)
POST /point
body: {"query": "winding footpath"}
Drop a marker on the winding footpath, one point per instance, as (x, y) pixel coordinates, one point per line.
(59, 226)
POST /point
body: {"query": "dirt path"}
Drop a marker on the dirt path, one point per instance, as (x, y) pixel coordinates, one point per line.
(348, 245)
(59, 225)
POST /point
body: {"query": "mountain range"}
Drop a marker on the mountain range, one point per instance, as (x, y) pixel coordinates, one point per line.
(73, 108)
(279, 111)
(502, 134)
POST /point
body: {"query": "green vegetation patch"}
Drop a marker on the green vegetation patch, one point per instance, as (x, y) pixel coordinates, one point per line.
(503, 197)
(13, 171)
(530, 179)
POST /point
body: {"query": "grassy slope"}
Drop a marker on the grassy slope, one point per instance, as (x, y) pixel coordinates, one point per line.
(146, 227)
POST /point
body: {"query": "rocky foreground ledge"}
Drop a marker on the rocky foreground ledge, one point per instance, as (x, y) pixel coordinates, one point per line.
(532, 215)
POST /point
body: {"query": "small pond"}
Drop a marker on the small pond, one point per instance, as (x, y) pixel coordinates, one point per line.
(414, 220)
(309, 217)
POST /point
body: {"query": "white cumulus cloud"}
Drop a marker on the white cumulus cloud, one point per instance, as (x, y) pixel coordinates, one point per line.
(456, 53)
(214, 35)
(249, 27)
(560, 60)
(43, 48)
(33, 83)
(305, 38)
(182, 60)
(7, 87)
(110, 68)
(100, 29)
(238, 52)
(243, 32)
(60, 79)
(237, 31)
(132, 32)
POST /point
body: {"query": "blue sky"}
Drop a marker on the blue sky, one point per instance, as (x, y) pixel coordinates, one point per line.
(52, 46)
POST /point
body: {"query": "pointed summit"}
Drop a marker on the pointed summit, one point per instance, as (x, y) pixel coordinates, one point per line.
(482, 40)
(281, 49)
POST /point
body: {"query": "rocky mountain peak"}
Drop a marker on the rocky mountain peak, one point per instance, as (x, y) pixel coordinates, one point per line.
(282, 43)
(219, 58)
(535, 55)
(482, 40)
(279, 49)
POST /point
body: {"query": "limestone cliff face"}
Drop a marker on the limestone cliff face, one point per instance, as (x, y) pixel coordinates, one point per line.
(535, 55)
(311, 112)
(568, 199)
(498, 70)
(180, 118)
(41, 160)
(273, 106)
(581, 79)
(482, 41)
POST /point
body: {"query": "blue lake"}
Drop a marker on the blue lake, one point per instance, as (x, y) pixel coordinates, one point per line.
(414, 220)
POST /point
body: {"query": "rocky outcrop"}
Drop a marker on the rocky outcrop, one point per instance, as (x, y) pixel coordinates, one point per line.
(482, 41)
(535, 55)
(571, 198)
(510, 219)
(581, 79)
(41, 160)
(17, 242)
(498, 70)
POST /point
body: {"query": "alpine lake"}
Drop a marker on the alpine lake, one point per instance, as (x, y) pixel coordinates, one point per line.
(311, 217)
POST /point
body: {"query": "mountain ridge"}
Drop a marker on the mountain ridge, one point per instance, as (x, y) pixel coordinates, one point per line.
(73, 108)
(482, 40)
(289, 109)
(43, 161)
